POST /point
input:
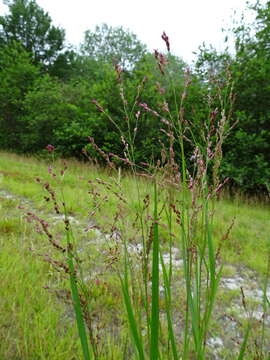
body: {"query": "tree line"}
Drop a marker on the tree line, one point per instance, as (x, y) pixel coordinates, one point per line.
(48, 87)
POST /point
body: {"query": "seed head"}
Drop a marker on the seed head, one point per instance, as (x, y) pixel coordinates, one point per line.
(98, 106)
(160, 89)
(137, 115)
(118, 71)
(146, 108)
(165, 38)
(50, 148)
(161, 60)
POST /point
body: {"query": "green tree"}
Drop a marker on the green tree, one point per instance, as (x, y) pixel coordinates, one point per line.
(66, 66)
(28, 24)
(247, 150)
(61, 113)
(17, 75)
(252, 63)
(113, 45)
(56, 113)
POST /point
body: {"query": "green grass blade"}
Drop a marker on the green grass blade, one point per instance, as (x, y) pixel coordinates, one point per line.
(168, 310)
(155, 283)
(75, 292)
(77, 307)
(266, 302)
(131, 318)
(244, 344)
(194, 319)
(211, 251)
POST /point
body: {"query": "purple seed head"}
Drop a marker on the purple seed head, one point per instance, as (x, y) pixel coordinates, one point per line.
(144, 106)
(165, 38)
(50, 148)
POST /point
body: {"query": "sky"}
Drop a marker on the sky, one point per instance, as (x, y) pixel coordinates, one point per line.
(188, 23)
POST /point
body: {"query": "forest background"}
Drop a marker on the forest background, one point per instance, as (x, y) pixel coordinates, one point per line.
(50, 91)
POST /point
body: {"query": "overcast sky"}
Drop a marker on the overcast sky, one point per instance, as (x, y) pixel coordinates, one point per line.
(187, 22)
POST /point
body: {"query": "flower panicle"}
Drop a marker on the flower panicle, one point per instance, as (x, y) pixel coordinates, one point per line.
(165, 38)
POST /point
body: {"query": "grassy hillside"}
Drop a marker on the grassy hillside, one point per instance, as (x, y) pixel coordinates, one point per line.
(37, 320)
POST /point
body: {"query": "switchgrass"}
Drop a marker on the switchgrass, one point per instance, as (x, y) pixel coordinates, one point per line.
(108, 242)
(188, 206)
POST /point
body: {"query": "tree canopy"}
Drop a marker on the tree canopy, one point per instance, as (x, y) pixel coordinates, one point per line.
(28, 24)
(113, 45)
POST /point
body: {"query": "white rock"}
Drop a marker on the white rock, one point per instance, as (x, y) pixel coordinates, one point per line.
(233, 283)
(215, 342)
(60, 218)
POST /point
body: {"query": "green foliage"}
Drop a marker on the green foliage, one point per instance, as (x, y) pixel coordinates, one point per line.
(28, 24)
(65, 65)
(56, 113)
(17, 76)
(45, 109)
(113, 45)
(62, 114)
(246, 159)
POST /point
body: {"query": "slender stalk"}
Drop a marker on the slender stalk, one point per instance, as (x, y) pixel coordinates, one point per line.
(76, 300)
(244, 344)
(129, 308)
(155, 283)
(74, 287)
(266, 302)
(168, 309)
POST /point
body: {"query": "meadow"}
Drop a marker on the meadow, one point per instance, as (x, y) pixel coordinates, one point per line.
(113, 234)
(155, 245)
